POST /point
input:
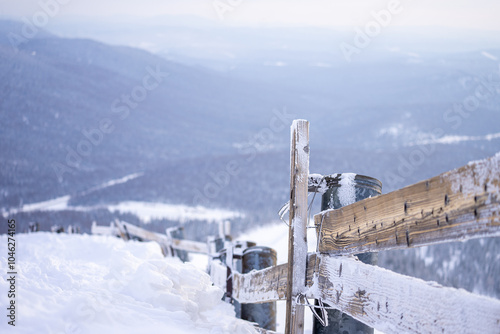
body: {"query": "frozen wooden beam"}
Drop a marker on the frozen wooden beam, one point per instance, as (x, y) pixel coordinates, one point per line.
(189, 246)
(144, 234)
(380, 298)
(218, 274)
(104, 230)
(394, 303)
(458, 205)
(268, 284)
(262, 286)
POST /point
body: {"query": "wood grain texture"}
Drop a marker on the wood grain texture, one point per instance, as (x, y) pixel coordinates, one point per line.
(268, 284)
(394, 303)
(297, 243)
(189, 246)
(261, 286)
(142, 233)
(104, 230)
(121, 229)
(389, 302)
(264, 331)
(458, 205)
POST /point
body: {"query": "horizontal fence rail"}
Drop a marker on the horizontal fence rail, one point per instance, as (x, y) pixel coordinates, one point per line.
(261, 286)
(189, 246)
(458, 205)
(395, 303)
(380, 298)
(119, 228)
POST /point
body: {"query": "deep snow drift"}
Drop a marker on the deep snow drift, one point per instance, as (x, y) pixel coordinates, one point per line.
(96, 284)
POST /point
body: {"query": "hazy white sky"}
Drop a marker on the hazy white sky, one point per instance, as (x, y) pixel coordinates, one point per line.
(481, 14)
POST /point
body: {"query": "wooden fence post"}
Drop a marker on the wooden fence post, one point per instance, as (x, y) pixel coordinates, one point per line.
(214, 246)
(342, 190)
(297, 242)
(226, 257)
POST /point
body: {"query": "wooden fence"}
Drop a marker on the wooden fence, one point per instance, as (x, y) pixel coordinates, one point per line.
(455, 206)
(167, 243)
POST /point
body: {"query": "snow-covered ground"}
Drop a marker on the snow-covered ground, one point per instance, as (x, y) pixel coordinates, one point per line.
(95, 284)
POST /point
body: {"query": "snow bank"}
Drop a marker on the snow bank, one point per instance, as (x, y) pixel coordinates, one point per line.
(97, 284)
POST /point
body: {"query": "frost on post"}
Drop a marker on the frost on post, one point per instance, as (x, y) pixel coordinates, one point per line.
(297, 246)
(347, 189)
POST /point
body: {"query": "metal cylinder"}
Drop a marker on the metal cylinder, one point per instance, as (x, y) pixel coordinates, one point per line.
(345, 189)
(219, 244)
(359, 188)
(256, 258)
(178, 233)
(239, 248)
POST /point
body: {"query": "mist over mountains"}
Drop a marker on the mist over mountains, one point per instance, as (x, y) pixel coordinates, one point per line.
(205, 119)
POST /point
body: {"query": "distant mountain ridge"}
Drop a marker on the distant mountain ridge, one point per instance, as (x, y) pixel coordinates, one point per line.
(57, 94)
(78, 113)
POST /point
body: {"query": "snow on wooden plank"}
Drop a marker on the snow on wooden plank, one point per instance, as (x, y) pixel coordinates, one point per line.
(261, 286)
(104, 230)
(267, 285)
(458, 205)
(394, 303)
(143, 234)
(387, 301)
(218, 274)
(123, 228)
(263, 331)
(189, 246)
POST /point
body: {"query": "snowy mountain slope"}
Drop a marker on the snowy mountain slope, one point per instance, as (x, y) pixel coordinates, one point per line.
(60, 92)
(94, 284)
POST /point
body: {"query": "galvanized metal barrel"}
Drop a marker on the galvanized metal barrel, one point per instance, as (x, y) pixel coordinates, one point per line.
(337, 196)
(256, 258)
(342, 190)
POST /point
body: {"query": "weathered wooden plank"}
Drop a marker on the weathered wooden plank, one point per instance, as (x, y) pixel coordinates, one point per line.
(394, 303)
(164, 241)
(387, 301)
(457, 205)
(122, 228)
(218, 274)
(104, 230)
(144, 234)
(263, 331)
(297, 242)
(268, 284)
(189, 246)
(261, 286)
